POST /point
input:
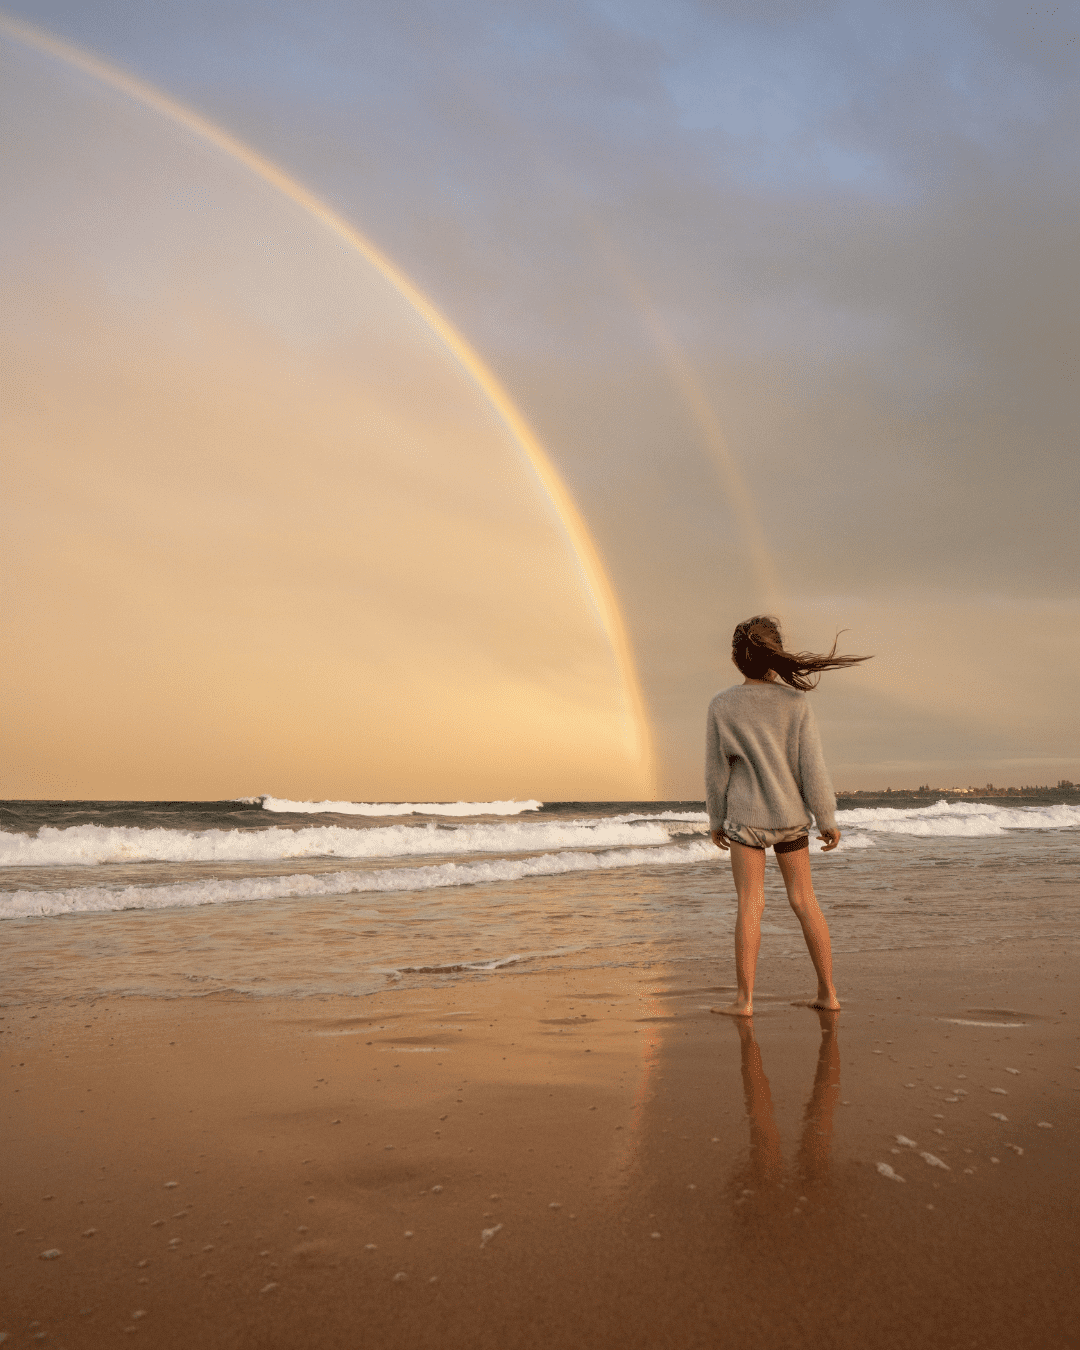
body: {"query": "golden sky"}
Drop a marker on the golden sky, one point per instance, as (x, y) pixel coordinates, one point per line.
(788, 294)
(264, 534)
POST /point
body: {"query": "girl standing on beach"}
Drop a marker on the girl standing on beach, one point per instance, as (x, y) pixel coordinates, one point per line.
(764, 778)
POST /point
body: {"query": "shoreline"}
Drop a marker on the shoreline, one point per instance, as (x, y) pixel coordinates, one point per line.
(568, 1116)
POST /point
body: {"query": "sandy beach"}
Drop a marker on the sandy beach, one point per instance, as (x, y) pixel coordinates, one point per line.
(568, 1159)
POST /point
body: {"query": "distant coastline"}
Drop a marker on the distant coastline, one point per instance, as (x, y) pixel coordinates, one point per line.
(989, 790)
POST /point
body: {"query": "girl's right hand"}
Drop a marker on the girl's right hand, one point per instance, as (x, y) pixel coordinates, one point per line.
(830, 838)
(720, 839)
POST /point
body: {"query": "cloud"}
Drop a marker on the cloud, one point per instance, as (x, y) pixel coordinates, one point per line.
(854, 221)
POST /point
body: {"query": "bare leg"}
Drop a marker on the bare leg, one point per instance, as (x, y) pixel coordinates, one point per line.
(748, 869)
(795, 869)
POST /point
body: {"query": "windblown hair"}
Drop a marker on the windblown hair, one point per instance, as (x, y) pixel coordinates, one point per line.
(757, 647)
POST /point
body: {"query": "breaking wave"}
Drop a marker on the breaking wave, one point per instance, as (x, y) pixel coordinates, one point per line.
(283, 804)
(964, 819)
(83, 845)
(214, 890)
(101, 899)
(695, 817)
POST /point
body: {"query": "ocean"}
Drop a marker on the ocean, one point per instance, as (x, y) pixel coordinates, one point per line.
(269, 897)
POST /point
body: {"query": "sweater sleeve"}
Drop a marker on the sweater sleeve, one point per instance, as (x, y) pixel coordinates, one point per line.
(814, 783)
(717, 772)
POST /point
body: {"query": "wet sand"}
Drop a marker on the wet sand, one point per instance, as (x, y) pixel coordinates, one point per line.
(569, 1159)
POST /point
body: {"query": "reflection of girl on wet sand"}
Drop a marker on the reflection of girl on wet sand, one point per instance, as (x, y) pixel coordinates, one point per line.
(766, 1160)
(764, 777)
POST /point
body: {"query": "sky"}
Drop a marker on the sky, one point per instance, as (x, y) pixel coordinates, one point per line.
(787, 293)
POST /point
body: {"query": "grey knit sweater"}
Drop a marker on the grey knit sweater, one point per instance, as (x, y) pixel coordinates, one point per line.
(763, 761)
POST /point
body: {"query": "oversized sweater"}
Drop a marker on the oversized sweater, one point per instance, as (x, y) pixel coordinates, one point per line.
(763, 760)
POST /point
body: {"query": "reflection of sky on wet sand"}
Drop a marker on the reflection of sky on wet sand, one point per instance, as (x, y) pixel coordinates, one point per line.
(640, 1162)
(760, 1199)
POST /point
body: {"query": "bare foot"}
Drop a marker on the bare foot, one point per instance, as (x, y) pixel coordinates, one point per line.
(736, 1009)
(822, 1003)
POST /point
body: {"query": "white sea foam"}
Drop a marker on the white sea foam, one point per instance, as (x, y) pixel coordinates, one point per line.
(486, 965)
(849, 841)
(394, 808)
(82, 845)
(102, 899)
(966, 819)
(694, 817)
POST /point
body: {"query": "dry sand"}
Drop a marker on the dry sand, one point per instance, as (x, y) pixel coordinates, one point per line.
(573, 1159)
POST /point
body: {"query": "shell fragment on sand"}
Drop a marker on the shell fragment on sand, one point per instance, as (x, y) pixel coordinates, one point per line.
(486, 1234)
(931, 1161)
(886, 1171)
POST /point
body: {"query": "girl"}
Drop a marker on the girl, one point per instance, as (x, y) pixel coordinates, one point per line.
(764, 777)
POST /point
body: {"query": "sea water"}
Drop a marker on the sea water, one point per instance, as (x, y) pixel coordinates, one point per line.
(266, 896)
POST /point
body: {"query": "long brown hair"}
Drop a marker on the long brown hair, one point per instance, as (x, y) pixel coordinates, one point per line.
(757, 647)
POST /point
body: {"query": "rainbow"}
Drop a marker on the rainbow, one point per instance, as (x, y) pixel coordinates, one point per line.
(588, 556)
(705, 421)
